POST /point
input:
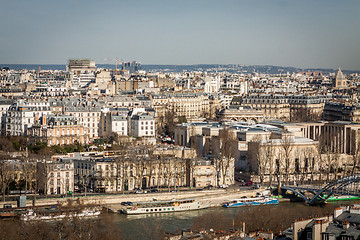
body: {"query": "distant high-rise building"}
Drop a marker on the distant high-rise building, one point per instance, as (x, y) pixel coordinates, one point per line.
(132, 67)
(78, 66)
(340, 82)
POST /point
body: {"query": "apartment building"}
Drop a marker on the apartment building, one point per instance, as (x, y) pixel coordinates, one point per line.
(59, 130)
(273, 105)
(22, 114)
(142, 125)
(87, 113)
(56, 177)
(114, 122)
(4, 106)
(210, 172)
(342, 111)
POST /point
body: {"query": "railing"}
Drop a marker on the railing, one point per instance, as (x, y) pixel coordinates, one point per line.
(345, 186)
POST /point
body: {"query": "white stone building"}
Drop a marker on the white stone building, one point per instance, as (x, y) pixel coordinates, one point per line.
(142, 125)
(23, 114)
(113, 123)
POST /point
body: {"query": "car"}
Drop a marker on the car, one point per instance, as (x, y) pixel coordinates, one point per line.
(127, 203)
(154, 190)
(208, 187)
(249, 183)
(224, 186)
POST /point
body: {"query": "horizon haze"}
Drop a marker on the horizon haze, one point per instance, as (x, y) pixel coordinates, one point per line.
(301, 34)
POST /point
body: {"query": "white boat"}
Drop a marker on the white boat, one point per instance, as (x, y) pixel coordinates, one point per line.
(31, 215)
(165, 206)
(251, 201)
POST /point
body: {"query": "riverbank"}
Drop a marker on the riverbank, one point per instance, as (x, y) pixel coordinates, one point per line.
(113, 202)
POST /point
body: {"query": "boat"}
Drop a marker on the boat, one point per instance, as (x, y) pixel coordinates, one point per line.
(253, 201)
(7, 213)
(165, 206)
(342, 198)
(31, 215)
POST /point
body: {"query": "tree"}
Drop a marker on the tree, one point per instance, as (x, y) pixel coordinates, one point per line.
(309, 164)
(355, 157)
(262, 152)
(228, 145)
(5, 177)
(269, 155)
(329, 161)
(29, 173)
(304, 114)
(170, 123)
(286, 144)
(255, 154)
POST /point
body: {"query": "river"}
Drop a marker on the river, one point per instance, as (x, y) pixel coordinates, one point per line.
(138, 226)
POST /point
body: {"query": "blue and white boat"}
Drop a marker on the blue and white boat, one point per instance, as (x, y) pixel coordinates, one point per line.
(255, 201)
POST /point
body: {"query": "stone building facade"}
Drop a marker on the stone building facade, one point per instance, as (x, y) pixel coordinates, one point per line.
(59, 130)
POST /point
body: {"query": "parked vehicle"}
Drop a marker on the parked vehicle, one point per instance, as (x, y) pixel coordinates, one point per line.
(249, 183)
(127, 203)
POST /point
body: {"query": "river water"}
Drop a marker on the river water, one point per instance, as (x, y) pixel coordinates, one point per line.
(139, 226)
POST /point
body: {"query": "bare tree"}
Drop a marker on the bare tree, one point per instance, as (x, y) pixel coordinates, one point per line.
(309, 164)
(5, 177)
(287, 148)
(304, 114)
(329, 161)
(355, 157)
(269, 155)
(226, 152)
(255, 153)
(29, 172)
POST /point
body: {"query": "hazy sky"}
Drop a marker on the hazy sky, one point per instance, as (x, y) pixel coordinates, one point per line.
(298, 33)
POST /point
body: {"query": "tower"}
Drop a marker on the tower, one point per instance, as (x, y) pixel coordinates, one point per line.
(340, 82)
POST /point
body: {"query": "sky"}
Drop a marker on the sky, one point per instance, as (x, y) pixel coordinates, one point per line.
(296, 33)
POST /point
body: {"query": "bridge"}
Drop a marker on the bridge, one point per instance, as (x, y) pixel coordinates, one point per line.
(344, 186)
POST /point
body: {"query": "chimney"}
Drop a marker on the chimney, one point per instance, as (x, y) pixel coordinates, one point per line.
(338, 211)
(345, 225)
(44, 119)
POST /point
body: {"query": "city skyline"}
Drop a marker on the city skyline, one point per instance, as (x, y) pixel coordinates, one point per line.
(306, 34)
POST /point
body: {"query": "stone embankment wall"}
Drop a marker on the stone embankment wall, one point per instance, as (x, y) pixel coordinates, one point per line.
(214, 197)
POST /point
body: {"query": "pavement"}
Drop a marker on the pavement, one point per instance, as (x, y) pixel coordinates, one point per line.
(215, 197)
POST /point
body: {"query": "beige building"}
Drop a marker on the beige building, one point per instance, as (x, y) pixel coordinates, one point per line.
(284, 160)
(240, 114)
(59, 130)
(192, 106)
(274, 106)
(58, 177)
(340, 136)
(119, 174)
(214, 172)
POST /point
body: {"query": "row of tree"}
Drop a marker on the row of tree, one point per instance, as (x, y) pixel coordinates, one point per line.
(279, 159)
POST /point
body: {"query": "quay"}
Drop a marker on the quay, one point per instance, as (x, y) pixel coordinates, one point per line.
(112, 203)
